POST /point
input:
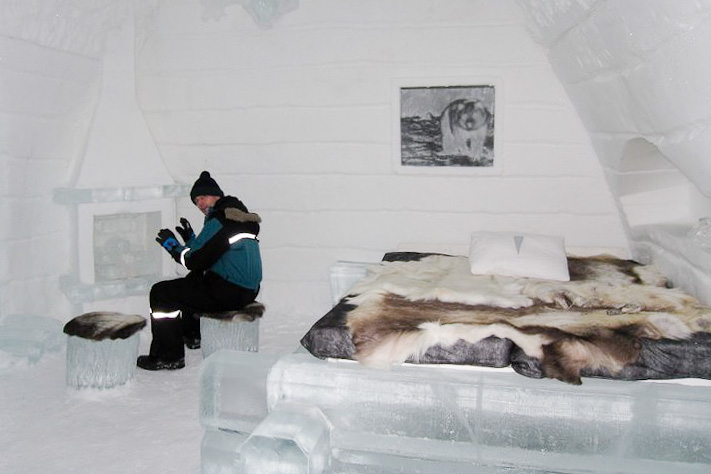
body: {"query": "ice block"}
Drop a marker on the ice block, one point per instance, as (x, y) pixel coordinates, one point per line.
(227, 334)
(238, 329)
(101, 364)
(233, 390)
(417, 418)
(220, 452)
(293, 439)
(344, 275)
(28, 338)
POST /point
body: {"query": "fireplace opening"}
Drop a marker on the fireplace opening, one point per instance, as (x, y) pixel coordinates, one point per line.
(124, 246)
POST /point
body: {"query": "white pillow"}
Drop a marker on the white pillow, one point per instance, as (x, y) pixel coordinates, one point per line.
(518, 255)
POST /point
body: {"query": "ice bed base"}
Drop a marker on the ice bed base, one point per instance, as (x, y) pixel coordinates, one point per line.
(425, 419)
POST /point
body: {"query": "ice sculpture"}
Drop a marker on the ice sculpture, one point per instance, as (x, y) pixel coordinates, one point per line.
(264, 12)
(347, 418)
(102, 349)
(27, 338)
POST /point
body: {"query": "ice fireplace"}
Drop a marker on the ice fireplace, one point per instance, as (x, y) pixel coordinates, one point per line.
(116, 254)
(121, 193)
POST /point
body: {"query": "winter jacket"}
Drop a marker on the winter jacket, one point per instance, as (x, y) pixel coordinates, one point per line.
(227, 244)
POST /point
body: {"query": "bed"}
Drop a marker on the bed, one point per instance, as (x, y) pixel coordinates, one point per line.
(601, 316)
(417, 369)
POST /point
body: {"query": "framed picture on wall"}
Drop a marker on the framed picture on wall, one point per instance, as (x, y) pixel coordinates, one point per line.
(447, 126)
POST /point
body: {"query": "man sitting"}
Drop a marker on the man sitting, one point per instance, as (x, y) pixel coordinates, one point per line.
(225, 273)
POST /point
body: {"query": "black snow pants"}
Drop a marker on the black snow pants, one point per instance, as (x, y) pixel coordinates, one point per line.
(197, 292)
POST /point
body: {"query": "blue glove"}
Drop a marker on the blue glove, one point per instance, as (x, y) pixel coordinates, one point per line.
(185, 230)
(166, 238)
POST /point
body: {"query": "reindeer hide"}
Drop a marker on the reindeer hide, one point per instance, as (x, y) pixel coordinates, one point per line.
(595, 321)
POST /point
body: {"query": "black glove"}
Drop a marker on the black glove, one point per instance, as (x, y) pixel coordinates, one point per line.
(185, 230)
(166, 238)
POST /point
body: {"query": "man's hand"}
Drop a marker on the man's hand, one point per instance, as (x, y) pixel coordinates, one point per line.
(185, 230)
(166, 238)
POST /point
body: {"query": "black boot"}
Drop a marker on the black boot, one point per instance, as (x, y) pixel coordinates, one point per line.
(149, 362)
(192, 342)
(167, 351)
(191, 330)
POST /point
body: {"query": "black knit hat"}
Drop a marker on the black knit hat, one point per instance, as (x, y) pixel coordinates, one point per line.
(205, 186)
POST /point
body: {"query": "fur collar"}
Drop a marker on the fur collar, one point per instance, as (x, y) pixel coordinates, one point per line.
(232, 209)
(237, 215)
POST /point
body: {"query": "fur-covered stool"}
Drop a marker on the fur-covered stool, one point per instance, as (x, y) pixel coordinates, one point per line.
(238, 330)
(102, 348)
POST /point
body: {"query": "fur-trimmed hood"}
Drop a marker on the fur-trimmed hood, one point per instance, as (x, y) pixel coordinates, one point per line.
(231, 211)
(237, 215)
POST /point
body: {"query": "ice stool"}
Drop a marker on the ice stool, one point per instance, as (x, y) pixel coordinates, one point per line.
(236, 330)
(102, 348)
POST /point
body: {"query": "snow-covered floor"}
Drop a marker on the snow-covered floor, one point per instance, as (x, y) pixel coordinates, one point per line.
(150, 425)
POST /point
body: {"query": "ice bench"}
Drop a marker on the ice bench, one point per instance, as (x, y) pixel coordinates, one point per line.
(28, 338)
(238, 330)
(102, 348)
(441, 419)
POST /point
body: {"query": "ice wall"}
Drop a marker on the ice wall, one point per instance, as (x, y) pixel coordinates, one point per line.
(637, 72)
(49, 75)
(51, 70)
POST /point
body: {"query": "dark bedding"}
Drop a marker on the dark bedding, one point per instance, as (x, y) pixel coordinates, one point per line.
(653, 358)
(329, 336)
(658, 360)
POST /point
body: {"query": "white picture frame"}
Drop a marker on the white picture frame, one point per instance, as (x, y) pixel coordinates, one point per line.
(449, 126)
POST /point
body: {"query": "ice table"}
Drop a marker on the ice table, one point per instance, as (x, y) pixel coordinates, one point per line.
(444, 419)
